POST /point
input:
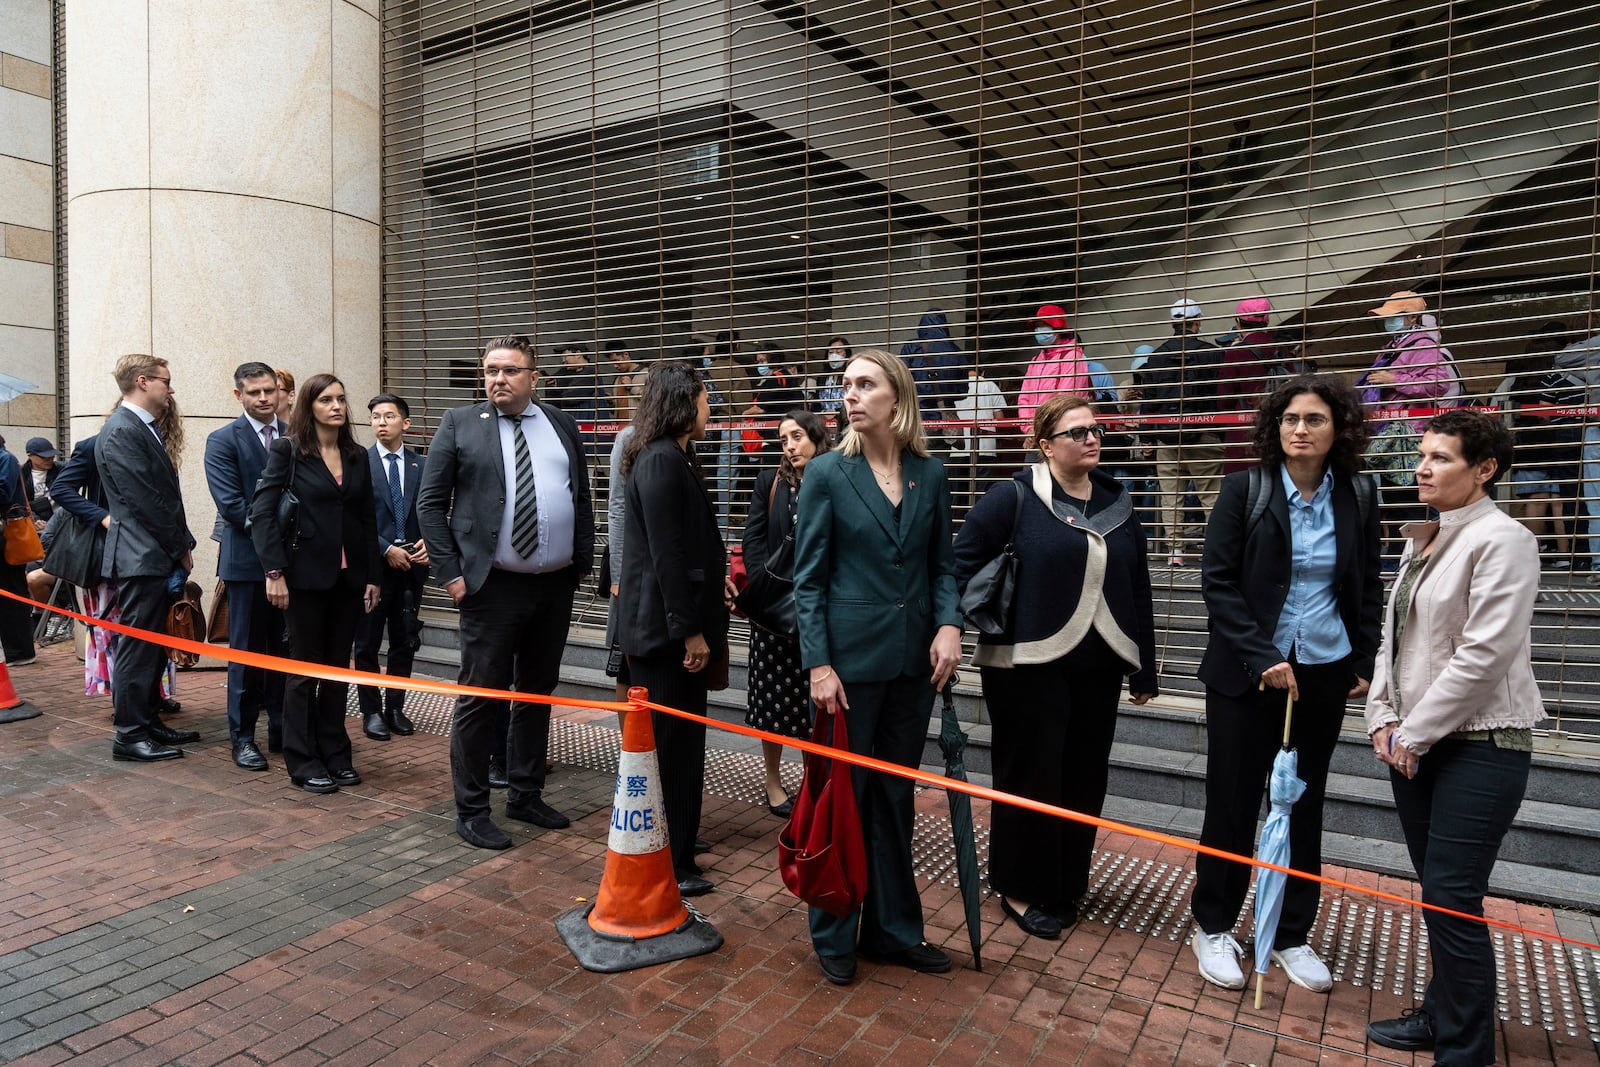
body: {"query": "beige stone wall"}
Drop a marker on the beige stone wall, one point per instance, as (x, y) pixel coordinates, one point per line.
(237, 218)
(27, 279)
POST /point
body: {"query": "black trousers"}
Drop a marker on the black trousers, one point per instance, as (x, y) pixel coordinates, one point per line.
(1243, 735)
(1053, 726)
(253, 626)
(680, 749)
(136, 674)
(513, 632)
(888, 720)
(322, 626)
(398, 599)
(1455, 813)
(16, 623)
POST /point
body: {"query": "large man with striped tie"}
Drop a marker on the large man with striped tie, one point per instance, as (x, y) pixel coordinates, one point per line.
(505, 512)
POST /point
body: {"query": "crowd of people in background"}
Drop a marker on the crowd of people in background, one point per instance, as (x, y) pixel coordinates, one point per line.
(325, 546)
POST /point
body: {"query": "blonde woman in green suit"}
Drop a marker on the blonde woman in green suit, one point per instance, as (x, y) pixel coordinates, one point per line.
(880, 630)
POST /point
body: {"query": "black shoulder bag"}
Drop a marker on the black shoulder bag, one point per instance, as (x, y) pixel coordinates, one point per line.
(990, 597)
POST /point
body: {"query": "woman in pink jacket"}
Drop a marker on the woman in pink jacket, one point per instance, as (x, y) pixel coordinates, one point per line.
(1060, 366)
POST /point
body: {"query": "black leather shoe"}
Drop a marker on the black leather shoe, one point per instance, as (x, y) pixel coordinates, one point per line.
(143, 751)
(373, 726)
(398, 723)
(322, 783)
(701, 847)
(1412, 1032)
(482, 832)
(921, 957)
(497, 776)
(346, 777)
(168, 706)
(1036, 922)
(840, 970)
(538, 813)
(248, 756)
(694, 886)
(784, 810)
(168, 736)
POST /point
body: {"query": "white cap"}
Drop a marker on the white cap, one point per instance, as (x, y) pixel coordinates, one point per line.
(1185, 309)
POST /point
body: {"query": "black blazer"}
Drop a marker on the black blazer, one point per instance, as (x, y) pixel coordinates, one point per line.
(77, 487)
(766, 527)
(672, 569)
(1245, 581)
(40, 505)
(333, 516)
(149, 532)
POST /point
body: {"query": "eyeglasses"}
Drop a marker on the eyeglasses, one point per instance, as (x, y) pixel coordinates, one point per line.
(1079, 433)
(1314, 421)
(167, 381)
(491, 373)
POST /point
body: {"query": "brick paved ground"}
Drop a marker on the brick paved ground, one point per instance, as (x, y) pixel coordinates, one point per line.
(193, 913)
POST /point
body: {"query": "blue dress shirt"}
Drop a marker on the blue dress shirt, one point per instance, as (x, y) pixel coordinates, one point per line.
(1309, 625)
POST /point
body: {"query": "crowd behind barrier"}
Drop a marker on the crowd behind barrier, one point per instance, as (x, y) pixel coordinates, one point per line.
(502, 515)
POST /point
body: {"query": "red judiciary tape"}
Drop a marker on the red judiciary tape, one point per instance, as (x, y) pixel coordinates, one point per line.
(916, 774)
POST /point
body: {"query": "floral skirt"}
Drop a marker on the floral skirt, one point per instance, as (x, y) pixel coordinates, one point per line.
(100, 602)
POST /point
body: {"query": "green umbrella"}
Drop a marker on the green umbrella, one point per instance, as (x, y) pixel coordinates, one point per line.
(953, 743)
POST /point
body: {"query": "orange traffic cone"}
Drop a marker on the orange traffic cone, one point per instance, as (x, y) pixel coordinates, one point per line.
(12, 707)
(638, 917)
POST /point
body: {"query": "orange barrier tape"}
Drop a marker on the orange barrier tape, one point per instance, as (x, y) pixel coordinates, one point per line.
(427, 685)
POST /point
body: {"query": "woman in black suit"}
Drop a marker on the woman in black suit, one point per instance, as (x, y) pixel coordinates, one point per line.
(323, 573)
(674, 620)
(1291, 585)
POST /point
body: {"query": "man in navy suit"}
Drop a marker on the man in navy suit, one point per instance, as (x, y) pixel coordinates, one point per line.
(147, 545)
(235, 457)
(396, 476)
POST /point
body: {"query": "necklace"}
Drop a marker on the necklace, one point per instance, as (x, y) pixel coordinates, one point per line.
(886, 477)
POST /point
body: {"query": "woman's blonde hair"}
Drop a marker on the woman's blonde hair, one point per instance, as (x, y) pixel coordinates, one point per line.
(906, 422)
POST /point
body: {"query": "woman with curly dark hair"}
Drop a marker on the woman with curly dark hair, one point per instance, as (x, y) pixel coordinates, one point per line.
(673, 620)
(1293, 594)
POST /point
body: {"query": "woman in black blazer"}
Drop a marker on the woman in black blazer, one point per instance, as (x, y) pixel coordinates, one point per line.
(674, 619)
(323, 573)
(1292, 590)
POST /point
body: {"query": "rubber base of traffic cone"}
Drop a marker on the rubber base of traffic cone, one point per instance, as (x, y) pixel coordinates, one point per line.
(610, 953)
(20, 712)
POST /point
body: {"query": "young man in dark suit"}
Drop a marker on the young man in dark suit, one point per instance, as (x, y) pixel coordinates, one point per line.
(147, 542)
(396, 477)
(235, 457)
(507, 518)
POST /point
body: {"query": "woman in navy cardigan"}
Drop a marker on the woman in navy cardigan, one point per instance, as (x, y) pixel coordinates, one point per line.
(1083, 623)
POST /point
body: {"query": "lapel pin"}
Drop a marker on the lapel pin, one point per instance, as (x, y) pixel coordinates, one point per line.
(483, 414)
(913, 485)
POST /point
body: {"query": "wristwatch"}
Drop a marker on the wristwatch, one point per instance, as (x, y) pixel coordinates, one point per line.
(274, 574)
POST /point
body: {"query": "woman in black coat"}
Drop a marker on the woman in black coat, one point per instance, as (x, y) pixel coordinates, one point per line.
(1293, 595)
(674, 621)
(1083, 623)
(323, 572)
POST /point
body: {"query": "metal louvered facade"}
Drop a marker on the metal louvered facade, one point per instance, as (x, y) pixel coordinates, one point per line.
(665, 171)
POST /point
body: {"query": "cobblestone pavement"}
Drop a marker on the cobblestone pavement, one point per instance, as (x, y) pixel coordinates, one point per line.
(193, 913)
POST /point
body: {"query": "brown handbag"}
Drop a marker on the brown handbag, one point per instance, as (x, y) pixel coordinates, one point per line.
(22, 538)
(217, 631)
(186, 619)
(821, 854)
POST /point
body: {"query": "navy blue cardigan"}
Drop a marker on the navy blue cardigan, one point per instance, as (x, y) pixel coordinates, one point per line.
(1075, 574)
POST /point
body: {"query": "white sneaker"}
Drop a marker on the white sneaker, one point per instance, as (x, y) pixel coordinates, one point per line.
(1304, 968)
(1218, 956)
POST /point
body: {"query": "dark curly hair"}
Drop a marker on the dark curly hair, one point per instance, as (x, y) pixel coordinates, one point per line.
(816, 428)
(1349, 421)
(668, 407)
(1482, 437)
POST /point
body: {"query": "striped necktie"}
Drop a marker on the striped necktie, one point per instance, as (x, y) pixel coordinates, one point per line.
(525, 509)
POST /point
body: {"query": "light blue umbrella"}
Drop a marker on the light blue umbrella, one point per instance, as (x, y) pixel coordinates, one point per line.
(1286, 788)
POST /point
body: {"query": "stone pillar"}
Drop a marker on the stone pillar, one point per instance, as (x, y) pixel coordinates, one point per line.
(27, 284)
(223, 203)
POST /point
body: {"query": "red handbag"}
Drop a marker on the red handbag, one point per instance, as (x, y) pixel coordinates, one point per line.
(821, 855)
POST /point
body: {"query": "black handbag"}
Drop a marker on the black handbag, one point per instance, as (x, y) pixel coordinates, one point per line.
(767, 599)
(288, 510)
(990, 597)
(75, 549)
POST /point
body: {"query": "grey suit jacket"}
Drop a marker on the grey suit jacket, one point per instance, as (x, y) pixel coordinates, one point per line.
(149, 532)
(464, 491)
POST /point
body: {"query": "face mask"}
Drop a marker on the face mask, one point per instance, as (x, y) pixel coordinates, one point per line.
(763, 370)
(835, 359)
(1045, 337)
(1394, 323)
(705, 361)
